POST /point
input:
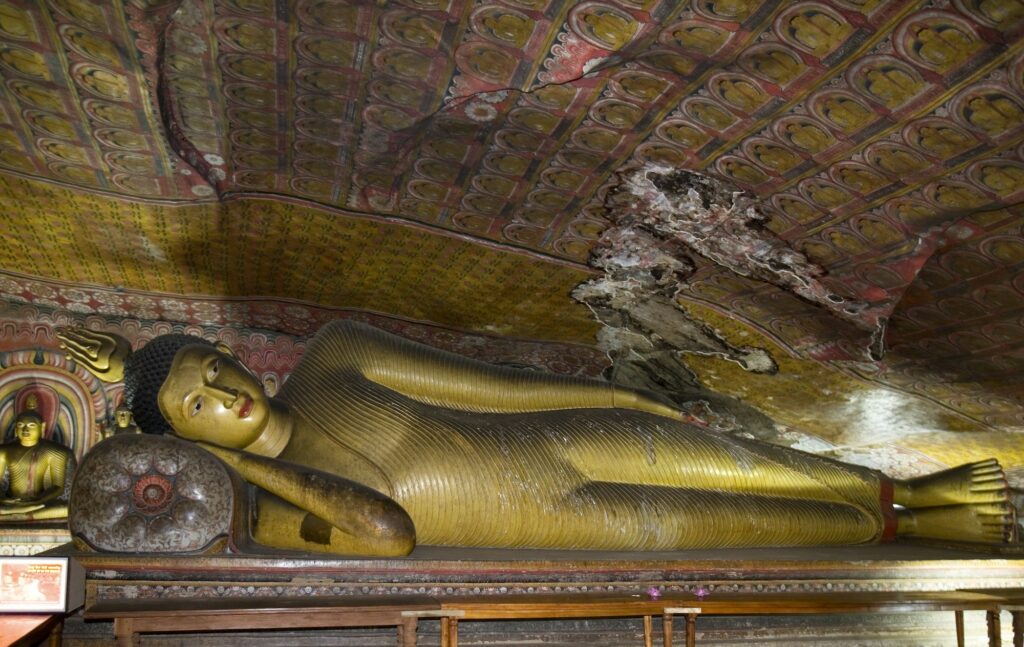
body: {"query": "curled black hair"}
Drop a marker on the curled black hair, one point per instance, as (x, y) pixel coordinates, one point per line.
(144, 374)
(30, 413)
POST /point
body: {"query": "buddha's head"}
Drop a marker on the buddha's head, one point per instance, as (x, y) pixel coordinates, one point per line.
(199, 391)
(123, 417)
(28, 428)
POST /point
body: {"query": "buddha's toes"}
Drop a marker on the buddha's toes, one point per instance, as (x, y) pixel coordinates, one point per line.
(978, 522)
(974, 483)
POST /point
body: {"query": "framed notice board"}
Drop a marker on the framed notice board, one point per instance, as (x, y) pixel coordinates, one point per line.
(40, 584)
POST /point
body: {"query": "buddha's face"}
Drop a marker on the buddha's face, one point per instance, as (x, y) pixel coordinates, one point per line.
(208, 395)
(123, 417)
(29, 430)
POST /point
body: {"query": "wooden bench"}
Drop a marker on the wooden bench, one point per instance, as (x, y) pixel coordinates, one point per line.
(535, 607)
(1011, 601)
(134, 617)
(1016, 610)
(24, 629)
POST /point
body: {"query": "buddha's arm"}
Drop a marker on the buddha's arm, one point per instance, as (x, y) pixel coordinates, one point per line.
(57, 469)
(50, 466)
(367, 522)
(11, 503)
(444, 379)
(8, 498)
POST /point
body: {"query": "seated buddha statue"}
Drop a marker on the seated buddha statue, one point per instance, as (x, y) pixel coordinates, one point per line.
(123, 421)
(375, 443)
(36, 473)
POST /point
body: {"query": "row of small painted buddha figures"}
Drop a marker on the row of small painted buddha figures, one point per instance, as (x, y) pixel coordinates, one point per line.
(407, 444)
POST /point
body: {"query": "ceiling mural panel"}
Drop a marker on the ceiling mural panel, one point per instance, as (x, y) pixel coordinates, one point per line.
(78, 106)
(462, 163)
(273, 249)
(510, 124)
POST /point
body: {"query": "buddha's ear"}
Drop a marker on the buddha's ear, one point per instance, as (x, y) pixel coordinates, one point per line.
(42, 429)
(224, 348)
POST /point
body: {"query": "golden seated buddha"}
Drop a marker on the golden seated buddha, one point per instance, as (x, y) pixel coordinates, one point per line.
(376, 443)
(36, 473)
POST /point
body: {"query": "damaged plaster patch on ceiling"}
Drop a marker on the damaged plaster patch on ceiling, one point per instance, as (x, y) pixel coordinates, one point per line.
(645, 329)
(661, 219)
(662, 216)
(719, 222)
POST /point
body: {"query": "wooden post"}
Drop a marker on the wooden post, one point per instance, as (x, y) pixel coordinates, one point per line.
(995, 631)
(959, 615)
(1018, 627)
(56, 638)
(648, 630)
(407, 632)
(124, 632)
(691, 614)
(666, 629)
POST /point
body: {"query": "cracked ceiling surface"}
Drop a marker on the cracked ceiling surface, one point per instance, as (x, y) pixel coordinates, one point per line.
(459, 162)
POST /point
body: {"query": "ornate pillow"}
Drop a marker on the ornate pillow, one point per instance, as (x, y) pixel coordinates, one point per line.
(138, 493)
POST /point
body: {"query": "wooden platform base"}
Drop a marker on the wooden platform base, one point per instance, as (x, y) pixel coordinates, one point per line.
(468, 586)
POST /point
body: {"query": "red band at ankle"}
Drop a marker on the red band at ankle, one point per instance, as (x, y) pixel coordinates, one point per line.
(888, 511)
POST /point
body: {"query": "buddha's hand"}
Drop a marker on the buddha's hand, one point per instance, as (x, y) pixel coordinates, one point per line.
(370, 523)
(20, 509)
(102, 353)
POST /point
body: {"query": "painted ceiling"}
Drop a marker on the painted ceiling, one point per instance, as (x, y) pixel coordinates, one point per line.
(461, 163)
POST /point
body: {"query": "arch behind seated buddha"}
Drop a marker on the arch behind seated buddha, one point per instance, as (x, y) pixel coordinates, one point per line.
(68, 403)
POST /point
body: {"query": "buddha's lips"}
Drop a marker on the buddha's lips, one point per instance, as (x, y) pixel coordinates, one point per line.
(246, 408)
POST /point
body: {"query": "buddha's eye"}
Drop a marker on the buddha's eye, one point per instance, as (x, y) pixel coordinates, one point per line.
(213, 369)
(197, 404)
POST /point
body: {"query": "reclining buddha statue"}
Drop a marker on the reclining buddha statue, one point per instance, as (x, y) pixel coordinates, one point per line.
(375, 444)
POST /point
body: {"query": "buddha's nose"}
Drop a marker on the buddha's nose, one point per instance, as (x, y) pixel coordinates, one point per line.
(227, 396)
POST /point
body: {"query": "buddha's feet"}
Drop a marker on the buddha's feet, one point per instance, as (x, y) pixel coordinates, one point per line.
(973, 483)
(966, 503)
(990, 523)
